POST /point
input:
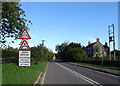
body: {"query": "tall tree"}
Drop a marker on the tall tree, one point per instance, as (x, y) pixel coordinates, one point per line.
(13, 20)
(60, 49)
(71, 52)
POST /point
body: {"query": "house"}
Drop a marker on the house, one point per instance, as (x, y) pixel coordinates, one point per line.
(97, 48)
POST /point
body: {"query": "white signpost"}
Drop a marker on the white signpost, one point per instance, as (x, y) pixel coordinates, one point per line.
(24, 49)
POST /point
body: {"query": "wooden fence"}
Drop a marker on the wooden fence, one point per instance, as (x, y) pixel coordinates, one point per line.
(9, 57)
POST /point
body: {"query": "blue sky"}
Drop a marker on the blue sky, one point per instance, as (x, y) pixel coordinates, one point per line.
(80, 22)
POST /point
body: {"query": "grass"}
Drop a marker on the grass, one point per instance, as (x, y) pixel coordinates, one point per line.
(0, 74)
(13, 74)
(100, 66)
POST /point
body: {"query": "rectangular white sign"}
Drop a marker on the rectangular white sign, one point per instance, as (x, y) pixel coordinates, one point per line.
(24, 58)
(24, 53)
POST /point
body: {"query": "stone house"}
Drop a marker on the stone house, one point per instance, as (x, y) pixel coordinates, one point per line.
(97, 48)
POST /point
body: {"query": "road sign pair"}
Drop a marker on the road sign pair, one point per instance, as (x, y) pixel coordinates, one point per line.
(24, 45)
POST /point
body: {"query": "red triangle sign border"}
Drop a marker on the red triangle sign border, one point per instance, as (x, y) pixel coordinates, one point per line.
(24, 41)
(22, 33)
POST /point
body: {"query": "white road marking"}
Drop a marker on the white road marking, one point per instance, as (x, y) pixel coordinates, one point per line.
(100, 72)
(81, 76)
(43, 79)
(38, 79)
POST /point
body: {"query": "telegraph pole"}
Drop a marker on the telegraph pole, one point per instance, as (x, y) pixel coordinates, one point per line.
(112, 39)
(42, 46)
(43, 42)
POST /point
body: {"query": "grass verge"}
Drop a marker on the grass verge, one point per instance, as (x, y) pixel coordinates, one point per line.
(13, 74)
(0, 67)
(100, 66)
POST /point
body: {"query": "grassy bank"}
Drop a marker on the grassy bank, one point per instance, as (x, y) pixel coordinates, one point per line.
(100, 66)
(13, 74)
(0, 74)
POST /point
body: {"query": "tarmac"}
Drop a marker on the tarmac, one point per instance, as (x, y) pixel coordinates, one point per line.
(106, 70)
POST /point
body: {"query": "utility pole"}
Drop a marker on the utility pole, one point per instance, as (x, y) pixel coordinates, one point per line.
(112, 39)
(8, 45)
(42, 46)
(43, 42)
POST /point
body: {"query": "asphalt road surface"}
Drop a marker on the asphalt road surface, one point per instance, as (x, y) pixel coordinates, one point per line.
(64, 73)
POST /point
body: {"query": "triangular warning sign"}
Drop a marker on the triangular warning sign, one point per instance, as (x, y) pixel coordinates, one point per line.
(24, 46)
(24, 35)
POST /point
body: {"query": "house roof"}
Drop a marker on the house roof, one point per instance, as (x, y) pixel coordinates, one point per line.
(95, 43)
(105, 46)
(91, 44)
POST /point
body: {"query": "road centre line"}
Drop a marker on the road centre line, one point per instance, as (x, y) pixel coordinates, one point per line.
(81, 76)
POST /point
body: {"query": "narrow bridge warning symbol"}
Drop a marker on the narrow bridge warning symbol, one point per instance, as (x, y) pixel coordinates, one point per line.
(24, 46)
(24, 35)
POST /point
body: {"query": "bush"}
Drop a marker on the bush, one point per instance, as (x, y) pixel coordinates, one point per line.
(40, 53)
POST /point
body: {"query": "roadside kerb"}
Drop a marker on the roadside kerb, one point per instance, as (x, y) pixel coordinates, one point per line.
(110, 71)
(40, 77)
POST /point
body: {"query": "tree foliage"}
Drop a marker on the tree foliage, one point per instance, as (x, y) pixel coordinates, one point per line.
(71, 52)
(13, 20)
(60, 49)
(40, 53)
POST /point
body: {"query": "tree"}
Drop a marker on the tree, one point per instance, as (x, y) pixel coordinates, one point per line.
(60, 49)
(74, 52)
(40, 53)
(71, 52)
(13, 20)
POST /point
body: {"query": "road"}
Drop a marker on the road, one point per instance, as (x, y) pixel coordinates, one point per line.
(64, 73)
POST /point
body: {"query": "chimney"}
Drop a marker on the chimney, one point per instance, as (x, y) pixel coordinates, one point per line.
(105, 43)
(98, 40)
(88, 42)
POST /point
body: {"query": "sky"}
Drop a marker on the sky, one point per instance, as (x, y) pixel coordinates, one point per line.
(79, 22)
(70, 0)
